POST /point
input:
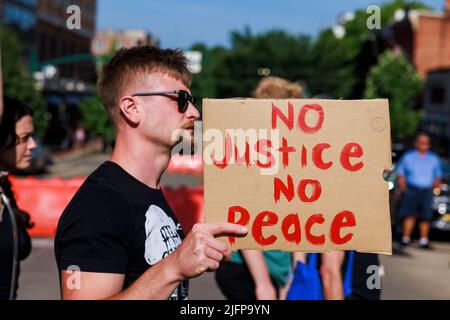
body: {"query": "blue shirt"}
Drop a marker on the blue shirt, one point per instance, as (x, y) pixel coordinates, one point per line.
(420, 171)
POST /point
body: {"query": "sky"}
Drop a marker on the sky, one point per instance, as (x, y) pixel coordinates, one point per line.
(181, 23)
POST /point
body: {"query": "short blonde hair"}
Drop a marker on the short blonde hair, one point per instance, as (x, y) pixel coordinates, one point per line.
(275, 87)
(130, 65)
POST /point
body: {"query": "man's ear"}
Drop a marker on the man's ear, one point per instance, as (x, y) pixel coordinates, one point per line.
(129, 110)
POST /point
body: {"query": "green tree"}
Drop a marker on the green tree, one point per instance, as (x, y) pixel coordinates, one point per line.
(234, 72)
(334, 66)
(204, 83)
(18, 83)
(94, 119)
(395, 78)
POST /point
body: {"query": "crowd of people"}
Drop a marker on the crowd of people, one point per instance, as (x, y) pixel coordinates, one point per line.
(121, 234)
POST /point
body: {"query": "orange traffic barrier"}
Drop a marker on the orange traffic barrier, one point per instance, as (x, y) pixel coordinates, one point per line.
(46, 199)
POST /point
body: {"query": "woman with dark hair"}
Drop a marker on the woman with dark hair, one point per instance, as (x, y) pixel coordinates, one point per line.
(16, 146)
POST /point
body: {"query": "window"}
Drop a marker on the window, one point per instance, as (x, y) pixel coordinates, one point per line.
(437, 95)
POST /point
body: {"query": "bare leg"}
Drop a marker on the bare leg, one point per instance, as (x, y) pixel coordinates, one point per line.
(424, 229)
(408, 226)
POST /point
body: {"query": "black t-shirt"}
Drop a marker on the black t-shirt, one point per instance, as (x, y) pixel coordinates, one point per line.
(117, 224)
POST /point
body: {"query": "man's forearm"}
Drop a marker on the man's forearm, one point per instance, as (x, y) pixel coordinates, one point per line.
(264, 289)
(330, 270)
(437, 183)
(332, 286)
(256, 265)
(157, 283)
(402, 183)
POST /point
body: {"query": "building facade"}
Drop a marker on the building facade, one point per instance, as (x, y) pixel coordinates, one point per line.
(107, 41)
(55, 40)
(437, 110)
(431, 40)
(20, 16)
(42, 28)
(423, 36)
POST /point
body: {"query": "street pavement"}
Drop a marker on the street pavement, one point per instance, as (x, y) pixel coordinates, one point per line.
(412, 273)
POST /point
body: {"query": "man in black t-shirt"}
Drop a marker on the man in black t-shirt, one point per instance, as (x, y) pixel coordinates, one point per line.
(118, 237)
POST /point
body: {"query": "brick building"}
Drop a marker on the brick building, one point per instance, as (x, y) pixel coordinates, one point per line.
(55, 40)
(423, 36)
(436, 103)
(107, 41)
(432, 40)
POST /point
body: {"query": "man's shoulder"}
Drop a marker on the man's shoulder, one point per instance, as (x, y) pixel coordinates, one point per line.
(94, 207)
(96, 195)
(434, 156)
(410, 154)
(102, 183)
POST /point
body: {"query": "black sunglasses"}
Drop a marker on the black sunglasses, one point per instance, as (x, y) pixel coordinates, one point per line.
(183, 98)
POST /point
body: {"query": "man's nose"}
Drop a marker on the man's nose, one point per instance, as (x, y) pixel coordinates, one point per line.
(31, 144)
(192, 112)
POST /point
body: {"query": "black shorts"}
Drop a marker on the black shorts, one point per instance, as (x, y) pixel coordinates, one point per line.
(417, 201)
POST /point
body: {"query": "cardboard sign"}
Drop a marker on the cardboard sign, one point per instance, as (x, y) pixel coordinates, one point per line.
(301, 175)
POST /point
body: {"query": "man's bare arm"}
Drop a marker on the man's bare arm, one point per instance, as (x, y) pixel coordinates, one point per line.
(157, 283)
(264, 289)
(437, 183)
(199, 252)
(402, 183)
(330, 270)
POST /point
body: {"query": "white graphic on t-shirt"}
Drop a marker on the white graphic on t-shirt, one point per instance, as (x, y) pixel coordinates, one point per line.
(162, 237)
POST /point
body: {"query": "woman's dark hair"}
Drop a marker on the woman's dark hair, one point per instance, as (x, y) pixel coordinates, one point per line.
(13, 111)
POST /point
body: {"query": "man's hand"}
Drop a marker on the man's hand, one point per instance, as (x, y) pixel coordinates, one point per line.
(200, 251)
(437, 183)
(402, 183)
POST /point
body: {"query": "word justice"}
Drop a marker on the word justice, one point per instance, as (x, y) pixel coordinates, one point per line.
(266, 149)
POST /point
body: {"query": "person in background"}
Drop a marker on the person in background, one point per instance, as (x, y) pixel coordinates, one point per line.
(419, 171)
(255, 274)
(80, 138)
(16, 146)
